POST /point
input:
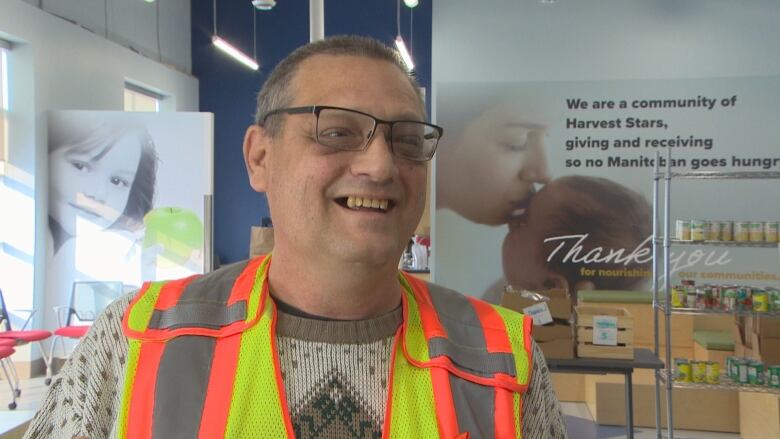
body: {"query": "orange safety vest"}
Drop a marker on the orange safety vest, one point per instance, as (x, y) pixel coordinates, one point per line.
(202, 362)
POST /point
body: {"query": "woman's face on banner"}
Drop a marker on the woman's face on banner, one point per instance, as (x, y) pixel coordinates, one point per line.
(92, 183)
(491, 169)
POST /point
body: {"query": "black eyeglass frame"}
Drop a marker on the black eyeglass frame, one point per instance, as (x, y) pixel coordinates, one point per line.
(316, 109)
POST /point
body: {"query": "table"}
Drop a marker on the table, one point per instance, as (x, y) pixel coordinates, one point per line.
(643, 359)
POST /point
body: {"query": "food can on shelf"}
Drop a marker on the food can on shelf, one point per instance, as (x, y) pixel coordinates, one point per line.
(741, 231)
(690, 294)
(771, 231)
(713, 372)
(726, 231)
(683, 230)
(729, 298)
(756, 231)
(756, 373)
(698, 230)
(742, 370)
(760, 300)
(698, 371)
(678, 296)
(732, 368)
(716, 300)
(701, 297)
(713, 231)
(683, 370)
(774, 376)
(744, 299)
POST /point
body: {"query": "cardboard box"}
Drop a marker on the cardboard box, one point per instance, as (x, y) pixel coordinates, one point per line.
(759, 415)
(556, 340)
(750, 344)
(559, 303)
(761, 325)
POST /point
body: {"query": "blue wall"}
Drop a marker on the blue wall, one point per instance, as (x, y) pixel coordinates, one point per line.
(228, 89)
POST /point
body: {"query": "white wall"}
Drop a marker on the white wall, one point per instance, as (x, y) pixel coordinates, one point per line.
(56, 65)
(133, 23)
(573, 40)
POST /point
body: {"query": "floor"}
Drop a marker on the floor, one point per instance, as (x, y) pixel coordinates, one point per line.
(578, 418)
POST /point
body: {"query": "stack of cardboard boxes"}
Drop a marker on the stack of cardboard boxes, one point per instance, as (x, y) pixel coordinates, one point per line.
(556, 338)
(758, 337)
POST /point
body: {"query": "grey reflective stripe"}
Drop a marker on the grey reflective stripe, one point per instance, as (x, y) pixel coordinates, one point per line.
(465, 343)
(182, 381)
(474, 408)
(203, 303)
(475, 361)
(213, 315)
(215, 286)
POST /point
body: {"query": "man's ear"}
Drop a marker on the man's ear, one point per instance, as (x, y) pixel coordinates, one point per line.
(256, 144)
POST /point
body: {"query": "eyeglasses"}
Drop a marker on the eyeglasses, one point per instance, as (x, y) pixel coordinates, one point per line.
(352, 130)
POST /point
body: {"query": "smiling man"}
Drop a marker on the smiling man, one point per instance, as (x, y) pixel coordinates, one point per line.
(324, 338)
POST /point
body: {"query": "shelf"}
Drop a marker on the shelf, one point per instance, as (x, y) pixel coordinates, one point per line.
(697, 311)
(725, 384)
(747, 244)
(719, 175)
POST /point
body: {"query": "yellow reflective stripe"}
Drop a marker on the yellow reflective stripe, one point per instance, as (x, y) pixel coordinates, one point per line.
(514, 328)
(133, 353)
(141, 311)
(416, 344)
(257, 289)
(413, 409)
(256, 408)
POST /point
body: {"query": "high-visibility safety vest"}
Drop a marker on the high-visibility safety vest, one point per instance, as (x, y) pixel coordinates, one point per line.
(202, 362)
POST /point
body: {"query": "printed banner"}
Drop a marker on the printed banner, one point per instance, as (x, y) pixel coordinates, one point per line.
(551, 183)
(126, 197)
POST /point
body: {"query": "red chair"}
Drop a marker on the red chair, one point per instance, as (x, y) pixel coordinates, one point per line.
(6, 350)
(22, 337)
(87, 300)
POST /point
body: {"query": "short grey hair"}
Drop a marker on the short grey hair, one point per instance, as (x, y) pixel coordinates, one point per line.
(277, 90)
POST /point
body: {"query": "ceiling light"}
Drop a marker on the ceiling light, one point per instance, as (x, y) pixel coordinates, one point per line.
(399, 43)
(411, 3)
(235, 53)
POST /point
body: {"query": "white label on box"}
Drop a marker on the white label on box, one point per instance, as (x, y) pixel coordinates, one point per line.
(605, 330)
(540, 313)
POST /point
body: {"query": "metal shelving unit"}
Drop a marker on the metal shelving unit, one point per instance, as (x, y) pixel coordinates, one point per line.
(665, 241)
(704, 312)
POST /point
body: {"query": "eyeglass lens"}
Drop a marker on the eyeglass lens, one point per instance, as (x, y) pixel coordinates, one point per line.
(347, 130)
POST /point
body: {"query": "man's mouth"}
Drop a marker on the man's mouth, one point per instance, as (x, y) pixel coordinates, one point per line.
(366, 203)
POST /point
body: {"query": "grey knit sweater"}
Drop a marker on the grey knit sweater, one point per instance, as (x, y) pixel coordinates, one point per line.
(334, 372)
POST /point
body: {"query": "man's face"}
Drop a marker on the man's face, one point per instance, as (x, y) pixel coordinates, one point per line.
(308, 185)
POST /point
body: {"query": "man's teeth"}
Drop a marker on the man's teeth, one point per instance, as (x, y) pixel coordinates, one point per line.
(354, 202)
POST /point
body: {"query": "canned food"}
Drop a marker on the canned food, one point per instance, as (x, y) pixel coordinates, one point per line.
(744, 299)
(701, 298)
(683, 230)
(774, 376)
(699, 371)
(755, 373)
(742, 371)
(760, 300)
(683, 368)
(690, 294)
(756, 231)
(716, 300)
(713, 372)
(741, 231)
(771, 231)
(698, 230)
(726, 231)
(678, 296)
(732, 368)
(713, 231)
(729, 298)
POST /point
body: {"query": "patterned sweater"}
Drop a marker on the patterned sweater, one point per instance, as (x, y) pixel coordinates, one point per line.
(334, 372)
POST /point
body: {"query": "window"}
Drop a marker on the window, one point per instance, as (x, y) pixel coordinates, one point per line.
(140, 99)
(3, 105)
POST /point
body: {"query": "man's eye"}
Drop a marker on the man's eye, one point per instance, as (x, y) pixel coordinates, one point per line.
(335, 133)
(120, 182)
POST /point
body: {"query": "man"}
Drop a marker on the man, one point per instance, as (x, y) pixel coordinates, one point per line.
(324, 338)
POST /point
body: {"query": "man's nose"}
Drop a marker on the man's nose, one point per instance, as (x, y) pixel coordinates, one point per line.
(376, 161)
